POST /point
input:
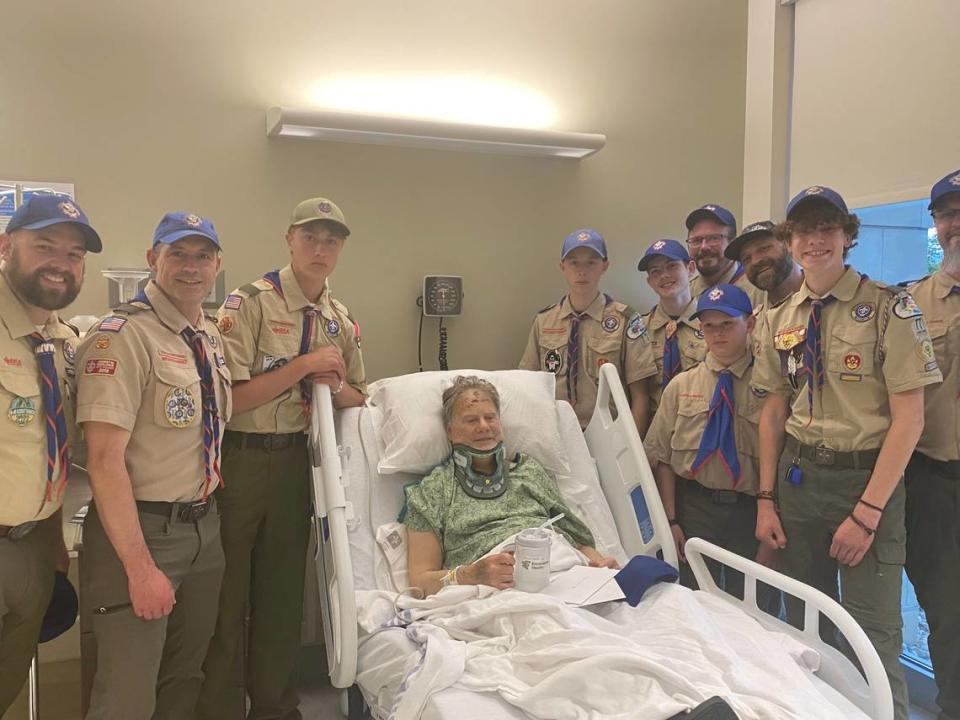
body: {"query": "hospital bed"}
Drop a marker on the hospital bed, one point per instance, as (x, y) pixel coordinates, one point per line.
(352, 500)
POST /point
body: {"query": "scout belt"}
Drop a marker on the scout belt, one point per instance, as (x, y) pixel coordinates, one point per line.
(17, 532)
(177, 512)
(717, 497)
(855, 460)
(263, 441)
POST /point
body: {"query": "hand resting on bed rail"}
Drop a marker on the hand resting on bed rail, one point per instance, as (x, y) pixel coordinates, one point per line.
(477, 498)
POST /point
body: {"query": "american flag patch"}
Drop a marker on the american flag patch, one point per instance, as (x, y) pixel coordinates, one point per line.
(112, 323)
(233, 302)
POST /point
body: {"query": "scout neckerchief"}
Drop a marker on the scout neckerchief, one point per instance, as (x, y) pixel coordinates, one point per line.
(208, 401)
(671, 350)
(57, 442)
(813, 349)
(719, 435)
(306, 338)
(573, 348)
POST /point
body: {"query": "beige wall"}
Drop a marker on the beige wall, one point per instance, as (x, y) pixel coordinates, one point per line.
(150, 110)
(874, 97)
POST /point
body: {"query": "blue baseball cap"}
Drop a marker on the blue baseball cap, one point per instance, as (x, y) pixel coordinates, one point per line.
(764, 227)
(667, 248)
(44, 209)
(728, 299)
(178, 225)
(946, 185)
(62, 610)
(817, 193)
(712, 212)
(584, 238)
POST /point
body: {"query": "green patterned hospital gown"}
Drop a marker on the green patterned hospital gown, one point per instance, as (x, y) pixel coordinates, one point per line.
(468, 527)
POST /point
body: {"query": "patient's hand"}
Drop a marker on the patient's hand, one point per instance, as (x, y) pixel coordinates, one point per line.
(493, 570)
(598, 560)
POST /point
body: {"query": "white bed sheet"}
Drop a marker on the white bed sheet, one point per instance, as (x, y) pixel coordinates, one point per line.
(676, 616)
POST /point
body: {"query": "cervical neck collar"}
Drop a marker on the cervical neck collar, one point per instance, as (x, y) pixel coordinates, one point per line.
(476, 484)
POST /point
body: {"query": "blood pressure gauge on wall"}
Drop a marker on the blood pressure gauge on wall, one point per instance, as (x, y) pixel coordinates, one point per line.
(442, 295)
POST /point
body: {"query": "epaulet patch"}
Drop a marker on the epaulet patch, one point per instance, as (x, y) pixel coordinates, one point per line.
(340, 307)
(253, 289)
(627, 311)
(131, 308)
(74, 328)
(548, 307)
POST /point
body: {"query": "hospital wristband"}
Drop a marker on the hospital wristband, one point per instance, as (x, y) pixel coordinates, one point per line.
(451, 577)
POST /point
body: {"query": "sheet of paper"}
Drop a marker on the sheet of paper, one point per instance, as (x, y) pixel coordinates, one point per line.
(582, 585)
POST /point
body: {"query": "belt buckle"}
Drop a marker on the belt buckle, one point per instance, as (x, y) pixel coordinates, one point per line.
(823, 456)
(194, 511)
(18, 532)
(724, 497)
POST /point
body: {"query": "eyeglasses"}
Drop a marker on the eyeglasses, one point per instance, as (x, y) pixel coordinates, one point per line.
(718, 239)
(946, 216)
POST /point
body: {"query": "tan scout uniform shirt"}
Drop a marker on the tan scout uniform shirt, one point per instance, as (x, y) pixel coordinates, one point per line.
(690, 338)
(135, 371)
(756, 295)
(262, 329)
(23, 437)
(674, 436)
(941, 311)
(874, 343)
(610, 332)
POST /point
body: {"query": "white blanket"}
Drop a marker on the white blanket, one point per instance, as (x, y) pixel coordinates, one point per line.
(672, 652)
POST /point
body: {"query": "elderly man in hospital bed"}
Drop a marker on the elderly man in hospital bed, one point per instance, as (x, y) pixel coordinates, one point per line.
(478, 497)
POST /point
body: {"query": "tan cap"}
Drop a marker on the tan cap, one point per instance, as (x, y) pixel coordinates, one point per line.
(318, 209)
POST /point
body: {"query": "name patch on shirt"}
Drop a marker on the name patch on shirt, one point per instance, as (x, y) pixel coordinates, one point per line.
(175, 358)
(13, 362)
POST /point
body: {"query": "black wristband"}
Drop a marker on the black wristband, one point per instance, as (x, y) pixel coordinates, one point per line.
(673, 521)
(862, 526)
(870, 505)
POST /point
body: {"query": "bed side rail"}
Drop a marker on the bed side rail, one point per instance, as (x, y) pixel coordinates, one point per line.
(334, 567)
(872, 695)
(625, 475)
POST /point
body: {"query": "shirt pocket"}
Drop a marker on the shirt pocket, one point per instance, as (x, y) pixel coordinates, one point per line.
(600, 351)
(23, 405)
(177, 400)
(852, 350)
(692, 414)
(748, 425)
(553, 352)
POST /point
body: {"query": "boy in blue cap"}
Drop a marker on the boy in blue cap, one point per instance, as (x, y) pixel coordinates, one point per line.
(705, 433)
(574, 338)
(843, 362)
(42, 253)
(153, 395)
(674, 333)
(933, 475)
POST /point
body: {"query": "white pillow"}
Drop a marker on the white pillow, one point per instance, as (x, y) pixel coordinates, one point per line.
(412, 430)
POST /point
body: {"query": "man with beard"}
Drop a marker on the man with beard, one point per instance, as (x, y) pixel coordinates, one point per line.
(766, 259)
(675, 336)
(43, 253)
(153, 396)
(710, 228)
(933, 475)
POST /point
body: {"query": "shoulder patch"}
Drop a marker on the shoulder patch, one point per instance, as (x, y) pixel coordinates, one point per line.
(548, 307)
(233, 302)
(132, 308)
(255, 288)
(905, 306)
(112, 323)
(340, 307)
(636, 328)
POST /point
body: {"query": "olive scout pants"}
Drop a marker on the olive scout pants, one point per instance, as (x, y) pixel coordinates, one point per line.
(265, 526)
(811, 512)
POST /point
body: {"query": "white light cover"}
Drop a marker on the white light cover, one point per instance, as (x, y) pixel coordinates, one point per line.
(434, 134)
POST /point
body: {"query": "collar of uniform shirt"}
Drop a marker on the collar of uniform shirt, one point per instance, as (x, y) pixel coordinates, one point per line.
(594, 309)
(296, 300)
(738, 368)
(844, 290)
(167, 312)
(18, 322)
(944, 284)
(659, 318)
